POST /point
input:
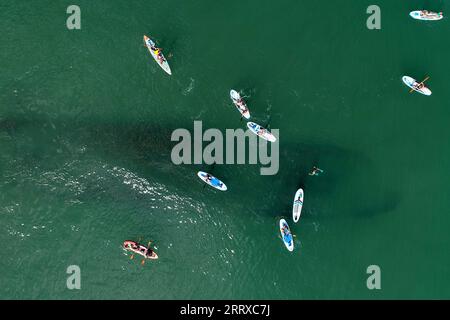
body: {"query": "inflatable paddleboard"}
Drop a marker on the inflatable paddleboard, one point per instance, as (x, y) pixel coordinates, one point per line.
(212, 181)
(410, 82)
(240, 104)
(161, 60)
(137, 248)
(426, 15)
(260, 131)
(286, 235)
(298, 205)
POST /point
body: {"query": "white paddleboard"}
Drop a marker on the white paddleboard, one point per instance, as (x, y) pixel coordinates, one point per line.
(240, 104)
(261, 132)
(162, 63)
(212, 181)
(426, 15)
(410, 82)
(286, 235)
(298, 205)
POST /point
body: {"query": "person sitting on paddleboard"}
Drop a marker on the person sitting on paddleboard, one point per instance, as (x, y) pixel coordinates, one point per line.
(154, 49)
(286, 234)
(288, 237)
(160, 57)
(242, 106)
(427, 13)
(243, 109)
(213, 181)
(158, 53)
(149, 252)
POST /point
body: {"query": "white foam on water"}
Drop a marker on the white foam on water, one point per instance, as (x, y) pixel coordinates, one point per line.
(190, 87)
(157, 191)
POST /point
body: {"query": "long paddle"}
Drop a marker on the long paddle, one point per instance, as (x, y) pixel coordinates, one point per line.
(420, 83)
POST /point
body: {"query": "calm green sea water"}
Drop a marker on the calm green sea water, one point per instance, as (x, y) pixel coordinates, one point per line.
(85, 124)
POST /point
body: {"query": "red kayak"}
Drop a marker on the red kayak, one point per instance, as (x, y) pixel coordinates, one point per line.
(139, 249)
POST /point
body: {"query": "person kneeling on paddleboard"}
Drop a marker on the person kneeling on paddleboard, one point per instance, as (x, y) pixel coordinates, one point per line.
(419, 86)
